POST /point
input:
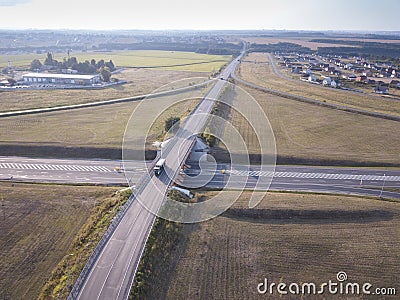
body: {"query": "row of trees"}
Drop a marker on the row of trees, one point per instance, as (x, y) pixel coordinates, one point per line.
(87, 67)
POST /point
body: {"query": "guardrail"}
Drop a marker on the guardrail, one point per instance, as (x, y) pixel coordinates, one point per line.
(79, 283)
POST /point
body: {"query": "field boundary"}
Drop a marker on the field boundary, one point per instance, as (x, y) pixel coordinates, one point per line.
(177, 65)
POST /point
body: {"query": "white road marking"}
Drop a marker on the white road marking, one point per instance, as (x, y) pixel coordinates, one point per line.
(314, 175)
(51, 167)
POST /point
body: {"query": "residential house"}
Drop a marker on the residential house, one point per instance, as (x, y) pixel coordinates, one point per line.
(329, 69)
(312, 78)
(381, 90)
(352, 77)
(362, 78)
(335, 84)
(348, 66)
(297, 69)
(327, 81)
(367, 73)
(335, 72)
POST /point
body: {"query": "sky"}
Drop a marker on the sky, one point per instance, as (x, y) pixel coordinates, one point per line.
(357, 15)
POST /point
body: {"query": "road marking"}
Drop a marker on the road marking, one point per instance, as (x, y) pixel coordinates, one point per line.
(313, 175)
(51, 167)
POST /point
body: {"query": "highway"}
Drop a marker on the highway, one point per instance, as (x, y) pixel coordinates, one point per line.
(112, 274)
(115, 263)
(337, 180)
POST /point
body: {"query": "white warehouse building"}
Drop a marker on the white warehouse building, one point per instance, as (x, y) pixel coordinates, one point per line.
(70, 79)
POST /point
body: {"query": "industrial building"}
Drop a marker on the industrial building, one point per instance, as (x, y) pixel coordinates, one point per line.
(63, 79)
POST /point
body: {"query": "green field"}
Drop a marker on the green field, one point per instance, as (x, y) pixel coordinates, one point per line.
(141, 58)
(287, 238)
(38, 226)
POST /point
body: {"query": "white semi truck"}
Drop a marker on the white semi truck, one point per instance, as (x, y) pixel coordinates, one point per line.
(159, 166)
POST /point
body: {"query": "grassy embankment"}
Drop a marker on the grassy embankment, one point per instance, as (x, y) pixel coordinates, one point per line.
(40, 226)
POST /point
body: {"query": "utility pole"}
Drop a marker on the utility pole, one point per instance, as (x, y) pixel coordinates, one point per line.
(383, 185)
(2, 208)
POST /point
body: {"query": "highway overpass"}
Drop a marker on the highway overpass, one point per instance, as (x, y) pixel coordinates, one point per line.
(110, 271)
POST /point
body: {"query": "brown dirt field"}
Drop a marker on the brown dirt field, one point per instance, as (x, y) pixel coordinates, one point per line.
(306, 133)
(140, 82)
(291, 238)
(38, 224)
(305, 42)
(367, 40)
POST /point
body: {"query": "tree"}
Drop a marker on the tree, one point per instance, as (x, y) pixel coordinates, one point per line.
(105, 74)
(110, 65)
(100, 64)
(72, 61)
(170, 122)
(36, 65)
(93, 62)
(49, 60)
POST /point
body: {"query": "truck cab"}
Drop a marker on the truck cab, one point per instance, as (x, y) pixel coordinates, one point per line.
(159, 167)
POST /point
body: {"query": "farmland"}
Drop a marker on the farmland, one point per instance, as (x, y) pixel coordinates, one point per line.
(140, 71)
(305, 42)
(38, 224)
(141, 58)
(310, 134)
(308, 41)
(287, 238)
(85, 132)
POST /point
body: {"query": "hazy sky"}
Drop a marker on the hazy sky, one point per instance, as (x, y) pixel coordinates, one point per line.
(202, 14)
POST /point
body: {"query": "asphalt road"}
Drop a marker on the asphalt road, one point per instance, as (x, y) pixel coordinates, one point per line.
(356, 181)
(113, 272)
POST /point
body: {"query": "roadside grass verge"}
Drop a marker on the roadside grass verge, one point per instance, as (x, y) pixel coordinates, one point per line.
(160, 256)
(69, 268)
(287, 238)
(39, 223)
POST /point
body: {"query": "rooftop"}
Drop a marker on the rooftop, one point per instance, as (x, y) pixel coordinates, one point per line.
(61, 76)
